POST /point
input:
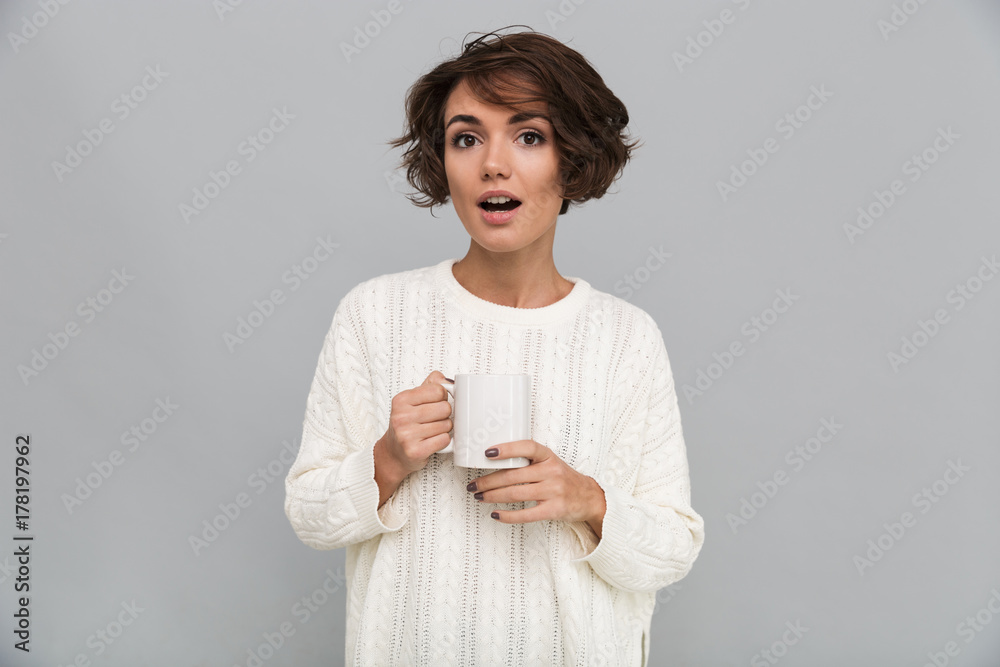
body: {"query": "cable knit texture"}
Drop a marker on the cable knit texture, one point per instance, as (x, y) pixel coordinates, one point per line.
(432, 579)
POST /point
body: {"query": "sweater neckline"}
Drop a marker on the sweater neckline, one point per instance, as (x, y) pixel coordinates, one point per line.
(561, 309)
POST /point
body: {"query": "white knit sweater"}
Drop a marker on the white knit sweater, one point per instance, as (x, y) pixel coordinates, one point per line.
(432, 579)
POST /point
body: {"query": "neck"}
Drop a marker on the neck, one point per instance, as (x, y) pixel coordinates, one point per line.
(517, 280)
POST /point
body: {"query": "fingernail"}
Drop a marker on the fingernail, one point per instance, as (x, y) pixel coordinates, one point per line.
(471, 486)
(491, 452)
(449, 379)
(478, 496)
(495, 515)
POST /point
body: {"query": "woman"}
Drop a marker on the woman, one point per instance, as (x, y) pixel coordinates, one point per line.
(554, 563)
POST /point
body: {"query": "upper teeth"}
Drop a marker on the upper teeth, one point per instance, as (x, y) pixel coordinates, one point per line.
(498, 200)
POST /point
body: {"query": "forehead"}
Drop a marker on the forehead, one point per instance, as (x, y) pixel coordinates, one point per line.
(461, 102)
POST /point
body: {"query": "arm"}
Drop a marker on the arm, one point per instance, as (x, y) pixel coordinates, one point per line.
(337, 487)
(386, 475)
(650, 536)
(600, 505)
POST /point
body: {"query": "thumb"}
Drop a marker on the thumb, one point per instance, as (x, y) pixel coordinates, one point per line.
(436, 377)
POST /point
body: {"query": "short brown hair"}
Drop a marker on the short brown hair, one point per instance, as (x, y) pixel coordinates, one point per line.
(511, 70)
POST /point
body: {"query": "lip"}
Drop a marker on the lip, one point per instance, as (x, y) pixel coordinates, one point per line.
(498, 217)
(496, 193)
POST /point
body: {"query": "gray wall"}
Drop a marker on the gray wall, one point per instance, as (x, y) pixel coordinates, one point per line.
(843, 545)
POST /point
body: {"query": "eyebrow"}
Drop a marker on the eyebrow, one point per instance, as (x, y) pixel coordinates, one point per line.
(513, 120)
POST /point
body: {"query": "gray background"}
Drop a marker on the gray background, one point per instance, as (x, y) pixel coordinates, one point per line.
(329, 174)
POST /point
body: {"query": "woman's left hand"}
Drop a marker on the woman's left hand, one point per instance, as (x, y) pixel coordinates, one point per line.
(561, 492)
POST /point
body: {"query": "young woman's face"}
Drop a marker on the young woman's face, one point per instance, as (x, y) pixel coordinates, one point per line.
(484, 152)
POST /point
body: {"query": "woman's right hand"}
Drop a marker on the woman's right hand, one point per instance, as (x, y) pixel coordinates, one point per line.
(419, 422)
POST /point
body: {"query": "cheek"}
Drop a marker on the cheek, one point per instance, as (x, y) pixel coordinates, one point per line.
(454, 185)
(545, 190)
(454, 173)
(545, 174)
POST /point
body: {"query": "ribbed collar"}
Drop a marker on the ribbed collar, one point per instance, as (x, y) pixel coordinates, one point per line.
(565, 308)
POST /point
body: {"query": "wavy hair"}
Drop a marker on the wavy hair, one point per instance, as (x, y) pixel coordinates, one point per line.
(513, 70)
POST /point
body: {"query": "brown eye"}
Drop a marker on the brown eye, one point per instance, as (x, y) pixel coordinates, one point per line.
(459, 138)
(538, 138)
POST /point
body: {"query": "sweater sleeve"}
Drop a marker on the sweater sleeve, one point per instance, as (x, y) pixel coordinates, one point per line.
(331, 497)
(650, 536)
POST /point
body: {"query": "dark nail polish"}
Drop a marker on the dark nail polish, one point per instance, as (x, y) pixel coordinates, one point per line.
(471, 487)
(491, 452)
(495, 515)
(478, 496)
(449, 380)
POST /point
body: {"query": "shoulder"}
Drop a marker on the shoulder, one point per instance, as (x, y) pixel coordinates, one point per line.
(637, 329)
(639, 361)
(384, 288)
(363, 311)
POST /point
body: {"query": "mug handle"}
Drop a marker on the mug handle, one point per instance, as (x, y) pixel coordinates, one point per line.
(450, 388)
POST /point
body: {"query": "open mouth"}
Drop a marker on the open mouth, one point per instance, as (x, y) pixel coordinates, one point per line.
(493, 208)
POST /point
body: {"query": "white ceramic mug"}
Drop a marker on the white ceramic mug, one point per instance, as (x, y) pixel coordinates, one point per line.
(488, 410)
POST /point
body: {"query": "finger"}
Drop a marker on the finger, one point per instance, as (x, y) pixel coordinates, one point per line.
(513, 494)
(536, 513)
(430, 429)
(434, 411)
(435, 377)
(529, 449)
(428, 392)
(507, 477)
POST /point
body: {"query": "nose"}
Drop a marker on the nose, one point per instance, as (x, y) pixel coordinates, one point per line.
(496, 161)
